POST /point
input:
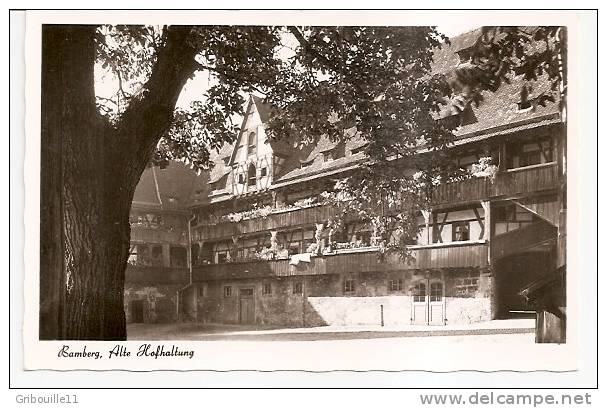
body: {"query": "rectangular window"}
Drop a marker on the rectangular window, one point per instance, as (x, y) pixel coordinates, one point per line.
(349, 286)
(266, 289)
(419, 292)
(461, 231)
(227, 291)
(222, 257)
(246, 292)
(436, 292)
(201, 291)
(263, 172)
(530, 158)
(395, 285)
(294, 248)
(297, 288)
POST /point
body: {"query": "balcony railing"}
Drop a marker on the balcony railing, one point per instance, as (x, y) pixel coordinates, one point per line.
(159, 235)
(509, 183)
(292, 218)
(452, 255)
(156, 275)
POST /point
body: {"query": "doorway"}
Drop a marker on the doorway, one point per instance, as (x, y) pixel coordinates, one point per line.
(137, 311)
(428, 302)
(246, 310)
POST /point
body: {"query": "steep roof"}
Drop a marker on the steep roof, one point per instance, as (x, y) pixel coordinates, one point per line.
(175, 187)
(497, 108)
(497, 113)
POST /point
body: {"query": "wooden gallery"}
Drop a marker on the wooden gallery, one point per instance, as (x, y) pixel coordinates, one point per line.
(248, 242)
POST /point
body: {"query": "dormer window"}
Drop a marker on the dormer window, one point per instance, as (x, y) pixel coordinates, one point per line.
(526, 106)
(252, 143)
(527, 103)
(464, 55)
(357, 150)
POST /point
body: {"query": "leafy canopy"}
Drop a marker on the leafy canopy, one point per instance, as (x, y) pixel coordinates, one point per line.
(323, 81)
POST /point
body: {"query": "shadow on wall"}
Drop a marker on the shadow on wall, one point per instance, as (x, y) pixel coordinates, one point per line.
(150, 304)
(515, 272)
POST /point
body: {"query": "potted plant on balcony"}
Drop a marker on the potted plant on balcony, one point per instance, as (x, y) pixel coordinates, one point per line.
(484, 168)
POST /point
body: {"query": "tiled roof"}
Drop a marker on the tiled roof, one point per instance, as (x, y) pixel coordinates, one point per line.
(314, 163)
(263, 109)
(145, 192)
(497, 108)
(177, 187)
(497, 113)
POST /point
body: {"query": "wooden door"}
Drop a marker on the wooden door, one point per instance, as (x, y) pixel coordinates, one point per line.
(246, 306)
(137, 311)
(428, 306)
(436, 303)
(419, 308)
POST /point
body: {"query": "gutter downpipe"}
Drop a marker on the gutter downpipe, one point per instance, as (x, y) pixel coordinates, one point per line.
(190, 271)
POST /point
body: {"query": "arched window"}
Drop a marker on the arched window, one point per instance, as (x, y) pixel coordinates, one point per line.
(252, 175)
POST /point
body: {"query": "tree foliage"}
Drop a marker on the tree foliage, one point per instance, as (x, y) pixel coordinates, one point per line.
(503, 52)
(323, 81)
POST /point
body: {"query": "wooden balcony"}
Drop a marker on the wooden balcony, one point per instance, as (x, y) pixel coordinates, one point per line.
(160, 235)
(156, 275)
(452, 255)
(276, 221)
(510, 183)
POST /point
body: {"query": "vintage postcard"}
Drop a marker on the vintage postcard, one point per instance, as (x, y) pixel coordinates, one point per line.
(303, 190)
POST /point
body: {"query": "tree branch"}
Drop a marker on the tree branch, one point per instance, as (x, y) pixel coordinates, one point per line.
(147, 118)
(308, 47)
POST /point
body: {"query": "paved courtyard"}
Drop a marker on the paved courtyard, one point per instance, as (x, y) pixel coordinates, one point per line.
(219, 332)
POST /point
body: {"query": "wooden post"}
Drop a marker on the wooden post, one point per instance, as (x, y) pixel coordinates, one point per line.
(433, 228)
(488, 225)
(502, 157)
(429, 235)
(166, 255)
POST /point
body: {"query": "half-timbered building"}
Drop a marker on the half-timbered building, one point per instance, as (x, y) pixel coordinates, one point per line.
(248, 242)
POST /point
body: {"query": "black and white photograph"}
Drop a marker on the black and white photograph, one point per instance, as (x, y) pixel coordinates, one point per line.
(292, 191)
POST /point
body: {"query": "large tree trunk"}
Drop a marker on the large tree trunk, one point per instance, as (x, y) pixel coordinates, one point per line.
(89, 172)
(84, 212)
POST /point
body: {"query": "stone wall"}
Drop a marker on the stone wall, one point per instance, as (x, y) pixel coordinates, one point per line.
(468, 297)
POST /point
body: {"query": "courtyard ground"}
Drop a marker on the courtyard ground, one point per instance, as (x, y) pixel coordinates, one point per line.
(221, 332)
